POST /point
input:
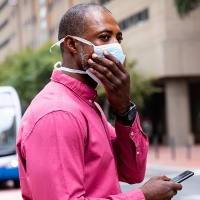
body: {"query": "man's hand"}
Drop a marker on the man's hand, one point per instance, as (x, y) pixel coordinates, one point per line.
(159, 188)
(115, 78)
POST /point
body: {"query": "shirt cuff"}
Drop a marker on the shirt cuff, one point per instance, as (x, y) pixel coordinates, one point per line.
(135, 194)
(127, 131)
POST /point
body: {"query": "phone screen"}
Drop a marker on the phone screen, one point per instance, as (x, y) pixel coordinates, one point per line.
(183, 176)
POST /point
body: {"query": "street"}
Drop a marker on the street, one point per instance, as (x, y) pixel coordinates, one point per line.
(13, 194)
(7, 192)
(190, 189)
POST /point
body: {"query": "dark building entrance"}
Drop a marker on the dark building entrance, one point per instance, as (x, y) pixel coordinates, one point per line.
(194, 89)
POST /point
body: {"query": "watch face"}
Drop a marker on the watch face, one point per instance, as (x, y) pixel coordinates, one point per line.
(131, 114)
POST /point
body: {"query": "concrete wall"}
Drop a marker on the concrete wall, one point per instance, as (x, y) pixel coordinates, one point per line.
(177, 112)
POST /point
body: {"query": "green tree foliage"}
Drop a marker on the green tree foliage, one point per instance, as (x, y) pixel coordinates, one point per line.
(28, 71)
(141, 86)
(184, 7)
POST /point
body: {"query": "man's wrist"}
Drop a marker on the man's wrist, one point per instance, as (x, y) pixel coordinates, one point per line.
(128, 117)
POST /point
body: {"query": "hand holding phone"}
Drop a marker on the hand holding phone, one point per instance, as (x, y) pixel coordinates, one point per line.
(183, 176)
(160, 187)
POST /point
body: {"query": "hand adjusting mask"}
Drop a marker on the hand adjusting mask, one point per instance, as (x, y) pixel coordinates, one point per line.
(113, 48)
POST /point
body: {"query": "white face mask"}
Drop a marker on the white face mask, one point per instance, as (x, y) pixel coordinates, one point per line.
(114, 49)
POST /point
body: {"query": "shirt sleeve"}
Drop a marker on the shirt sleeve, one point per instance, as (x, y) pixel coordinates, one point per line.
(131, 147)
(49, 150)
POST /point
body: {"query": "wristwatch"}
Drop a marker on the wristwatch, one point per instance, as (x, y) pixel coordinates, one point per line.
(129, 115)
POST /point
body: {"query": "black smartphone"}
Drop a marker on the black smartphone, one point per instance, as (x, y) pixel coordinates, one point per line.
(183, 176)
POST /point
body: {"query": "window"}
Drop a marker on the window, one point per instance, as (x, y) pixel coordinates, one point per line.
(43, 24)
(3, 5)
(7, 123)
(12, 2)
(134, 20)
(42, 1)
(51, 32)
(5, 42)
(43, 12)
(44, 37)
(3, 24)
(50, 6)
(25, 2)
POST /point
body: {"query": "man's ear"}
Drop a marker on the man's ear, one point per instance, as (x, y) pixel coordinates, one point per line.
(71, 44)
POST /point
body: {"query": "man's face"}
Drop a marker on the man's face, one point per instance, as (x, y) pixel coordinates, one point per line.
(101, 29)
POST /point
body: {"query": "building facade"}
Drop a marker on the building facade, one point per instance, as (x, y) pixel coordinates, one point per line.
(166, 47)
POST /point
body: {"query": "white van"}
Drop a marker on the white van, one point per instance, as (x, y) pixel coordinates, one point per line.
(10, 116)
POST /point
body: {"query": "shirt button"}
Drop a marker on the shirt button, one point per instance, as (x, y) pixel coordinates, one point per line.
(90, 101)
(138, 152)
(132, 133)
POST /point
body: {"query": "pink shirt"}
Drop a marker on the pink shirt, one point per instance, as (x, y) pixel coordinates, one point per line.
(68, 150)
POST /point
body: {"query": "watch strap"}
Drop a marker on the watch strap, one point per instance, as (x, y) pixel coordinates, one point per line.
(129, 114)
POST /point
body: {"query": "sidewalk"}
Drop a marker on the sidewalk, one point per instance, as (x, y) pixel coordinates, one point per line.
(179, 157)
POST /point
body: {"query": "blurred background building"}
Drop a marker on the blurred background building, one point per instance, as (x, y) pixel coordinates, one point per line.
(166, 47)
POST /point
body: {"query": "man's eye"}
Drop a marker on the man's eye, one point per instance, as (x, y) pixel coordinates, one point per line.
(105, 37)
(120, 39)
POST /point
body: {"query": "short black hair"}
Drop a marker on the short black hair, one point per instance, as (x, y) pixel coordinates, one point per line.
(73, 21)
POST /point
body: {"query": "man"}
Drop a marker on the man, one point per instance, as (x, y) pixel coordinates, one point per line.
(67, 149)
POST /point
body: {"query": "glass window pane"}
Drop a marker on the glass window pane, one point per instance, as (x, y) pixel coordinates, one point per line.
(7, 124)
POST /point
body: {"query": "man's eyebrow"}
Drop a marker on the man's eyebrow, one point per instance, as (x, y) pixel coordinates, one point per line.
(110, 32)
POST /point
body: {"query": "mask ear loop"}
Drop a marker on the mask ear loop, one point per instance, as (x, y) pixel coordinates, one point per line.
(57, 44)
(83, 40)
(68, 69)
(55, 65)
(78, 38)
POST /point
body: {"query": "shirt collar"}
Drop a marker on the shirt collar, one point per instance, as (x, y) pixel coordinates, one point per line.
(84, 91)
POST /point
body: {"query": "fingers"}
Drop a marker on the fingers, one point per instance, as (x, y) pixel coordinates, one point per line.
(172, 193)
(109, 62)
(108, 69)
(160, 188)
(102, 78)
(163, 177)
(101, 72)
(115, 60)
(176, 186)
